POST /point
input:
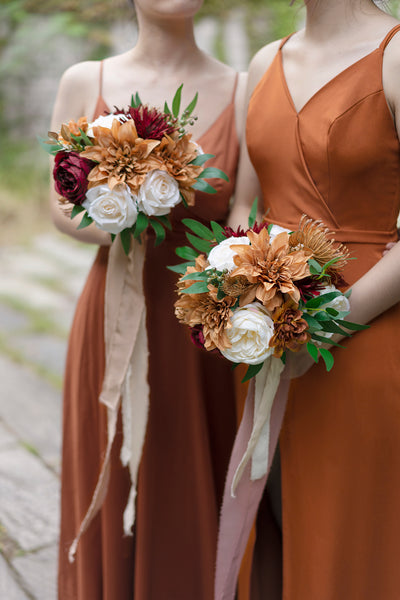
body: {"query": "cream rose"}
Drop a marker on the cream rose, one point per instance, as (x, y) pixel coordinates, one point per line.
(104, 121)
(250, 334)
(111, 210)
(221, 256)
(158, 194)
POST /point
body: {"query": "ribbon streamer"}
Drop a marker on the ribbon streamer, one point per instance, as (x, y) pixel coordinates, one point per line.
(125, 371)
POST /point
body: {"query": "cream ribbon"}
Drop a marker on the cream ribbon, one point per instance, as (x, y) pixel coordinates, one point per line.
(266, 385)
(125, 373)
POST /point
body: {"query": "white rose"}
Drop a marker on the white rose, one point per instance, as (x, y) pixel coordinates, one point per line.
(276, 230)
(221, 256)
(104, 121)
(158, 193)
(250, 334)
(112, 211)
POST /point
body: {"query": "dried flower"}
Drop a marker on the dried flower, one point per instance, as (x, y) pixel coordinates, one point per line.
(291, 330)
(313, 235)
(272, 266)
(150, 123)
(123, 157)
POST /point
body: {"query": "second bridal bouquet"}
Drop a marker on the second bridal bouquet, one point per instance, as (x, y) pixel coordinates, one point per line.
(255, 295)
(128, 169)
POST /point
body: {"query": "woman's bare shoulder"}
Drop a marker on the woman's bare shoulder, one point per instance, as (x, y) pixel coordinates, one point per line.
(261, 62)
(78, 90)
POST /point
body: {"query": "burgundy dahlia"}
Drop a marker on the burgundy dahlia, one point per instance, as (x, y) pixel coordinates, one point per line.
(197, 336)
(70, 176)
(151, 124)
(240, 232)
(309, 288)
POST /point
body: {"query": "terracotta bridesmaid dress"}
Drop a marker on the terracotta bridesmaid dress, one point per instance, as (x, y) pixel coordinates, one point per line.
(190, 433)
(338, 159)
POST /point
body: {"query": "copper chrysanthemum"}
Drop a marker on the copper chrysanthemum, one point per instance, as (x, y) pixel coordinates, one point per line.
(291, 330)
(313, 235)
(274, 267)
(122, 155)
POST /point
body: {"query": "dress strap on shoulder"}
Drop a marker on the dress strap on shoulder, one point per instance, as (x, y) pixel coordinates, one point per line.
(101, 79)
(284, 40)
(235, 87)
(389, 36)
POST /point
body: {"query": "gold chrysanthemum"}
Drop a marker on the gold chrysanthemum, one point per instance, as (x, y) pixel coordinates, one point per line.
(123, 157)
(175, 155)
(313, 235)
(272, 266)
(290, 329)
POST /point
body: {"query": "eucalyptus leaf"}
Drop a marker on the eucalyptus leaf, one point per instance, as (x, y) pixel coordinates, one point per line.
(252, 371)
(352, 326)
(328, 358)
(332, 327)
(313, 351)
(203, 186)
(181, 268)
(312, 322)
(125, 237)
(142, 222)
(167, 109)
(315, 267)
(199, 229)
(85, 222)
(85, 138)
(199, 244)
(186, 252)
(191, 106)
(185, 204)
(322, 299)
(176, 102)
(200, 287)
(76, 210)
(198, 276)
(323, 340)
(219, 231)
(253, 213)
(201, 159)
(159, 231)
(165, 221)
(213, 172)
(137, 99)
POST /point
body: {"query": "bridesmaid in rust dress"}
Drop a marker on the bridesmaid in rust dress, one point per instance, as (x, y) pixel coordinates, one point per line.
(192, 416)
(323, 138)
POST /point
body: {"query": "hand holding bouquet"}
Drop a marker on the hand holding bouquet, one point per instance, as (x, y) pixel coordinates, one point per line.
(128, 169)
(257, 294)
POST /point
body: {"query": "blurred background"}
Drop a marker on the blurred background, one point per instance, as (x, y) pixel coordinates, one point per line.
(41, 271)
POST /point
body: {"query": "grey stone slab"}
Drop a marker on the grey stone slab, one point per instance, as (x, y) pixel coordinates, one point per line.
(7, 439)
(11, 319)
(44, 350)
(38, 571)
(31, 408)
(9, 587)
(29, 499)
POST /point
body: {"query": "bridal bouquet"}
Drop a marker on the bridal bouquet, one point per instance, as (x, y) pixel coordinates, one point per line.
(128, 169)
(255, 295)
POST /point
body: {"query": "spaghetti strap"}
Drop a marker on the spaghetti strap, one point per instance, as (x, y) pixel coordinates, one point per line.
(285, 39)
(101, 79)
(235, 87)
(389, 36)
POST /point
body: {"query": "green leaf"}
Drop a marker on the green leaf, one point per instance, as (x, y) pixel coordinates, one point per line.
(191, 106)
(200, 287)
(322, 299)
(159, 231)
(253, 213)
(49, 146)
(186, 252)
(142, 222)
(199, 229)
(219, 231)
(323, 340)
(113, 236)
(185, 204)
(167, 109)
(313, 323)
(198, 276)
(315, 267)
(76, 211)
(332, 327)
(313, 351)
(85, 138)
(213, 172)
(181, 268)
(352, 326)
(137, 99)
(199, 244)
(86, 221)
(252, 371)
(176, 102)
(203, 186)
(125, 237)
(165, 221)
(332, 311)
(328, 358)
(201, 159)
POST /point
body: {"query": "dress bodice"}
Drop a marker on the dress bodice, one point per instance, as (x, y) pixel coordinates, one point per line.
(337, 159)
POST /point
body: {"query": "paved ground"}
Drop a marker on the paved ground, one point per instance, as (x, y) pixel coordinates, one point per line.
(39, 285)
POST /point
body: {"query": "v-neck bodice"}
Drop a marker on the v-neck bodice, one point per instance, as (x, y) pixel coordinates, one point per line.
(337, 159)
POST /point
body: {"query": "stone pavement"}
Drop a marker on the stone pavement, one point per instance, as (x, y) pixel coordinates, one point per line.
(39, 286)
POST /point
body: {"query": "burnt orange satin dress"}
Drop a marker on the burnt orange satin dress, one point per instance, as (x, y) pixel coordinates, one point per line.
(338, 159)
(191, 427)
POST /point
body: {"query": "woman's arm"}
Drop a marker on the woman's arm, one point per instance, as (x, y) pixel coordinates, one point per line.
(75, 94)
(247, 185)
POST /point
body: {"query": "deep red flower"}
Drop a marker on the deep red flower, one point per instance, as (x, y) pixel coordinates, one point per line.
(309, 288)
(240, 232)
(197, 336)
(151, 124)
(70, 175)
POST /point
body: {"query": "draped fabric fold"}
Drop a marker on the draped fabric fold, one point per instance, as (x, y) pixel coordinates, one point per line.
(125, 372)
(257, 438)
